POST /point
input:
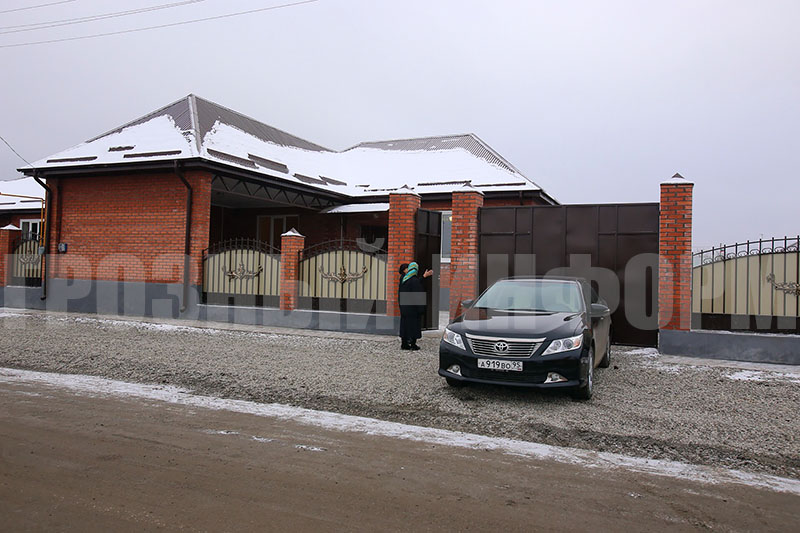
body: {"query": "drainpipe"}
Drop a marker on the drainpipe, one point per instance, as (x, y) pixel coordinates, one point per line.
(187, 241)
(48, 199)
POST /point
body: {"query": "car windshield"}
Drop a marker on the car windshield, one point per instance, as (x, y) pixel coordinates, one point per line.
(533, 295)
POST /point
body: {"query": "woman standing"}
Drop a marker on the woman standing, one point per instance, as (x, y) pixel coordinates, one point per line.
(412, 299)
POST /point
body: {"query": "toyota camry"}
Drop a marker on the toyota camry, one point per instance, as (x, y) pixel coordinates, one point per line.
(529, 332)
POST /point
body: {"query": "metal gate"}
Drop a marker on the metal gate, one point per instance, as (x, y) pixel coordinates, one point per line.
(615, 246)
(428, 247)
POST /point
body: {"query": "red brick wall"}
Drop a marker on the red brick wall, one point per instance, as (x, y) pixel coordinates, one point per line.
(128, 227)
(675, 249)
(464, 248)
(290, 259)
(402, 235)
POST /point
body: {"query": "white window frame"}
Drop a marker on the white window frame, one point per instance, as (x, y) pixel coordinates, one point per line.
(30, 221)
(441, 232)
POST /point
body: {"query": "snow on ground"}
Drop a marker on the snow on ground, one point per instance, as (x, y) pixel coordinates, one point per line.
(763, 376)
(100, 387)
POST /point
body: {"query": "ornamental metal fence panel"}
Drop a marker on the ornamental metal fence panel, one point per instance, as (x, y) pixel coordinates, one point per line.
(241, 272)
(343, 275)
(26, 262)
(749, 286)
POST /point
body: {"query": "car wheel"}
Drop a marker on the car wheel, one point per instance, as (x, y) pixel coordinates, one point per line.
(605, 362)
(454, 382)
(585, 392)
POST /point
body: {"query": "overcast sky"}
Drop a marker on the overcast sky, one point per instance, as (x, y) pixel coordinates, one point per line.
(596, 101)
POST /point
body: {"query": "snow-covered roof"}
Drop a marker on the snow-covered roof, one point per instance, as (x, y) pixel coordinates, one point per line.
(20, 187)
(357, 208)
(196, 128)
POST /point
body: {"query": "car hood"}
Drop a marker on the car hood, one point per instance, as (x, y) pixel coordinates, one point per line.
(509, 324)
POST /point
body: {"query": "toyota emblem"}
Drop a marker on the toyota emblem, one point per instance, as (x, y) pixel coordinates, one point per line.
(501, 347)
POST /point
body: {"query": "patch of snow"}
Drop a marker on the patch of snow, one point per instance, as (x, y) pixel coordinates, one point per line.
(261, 439)
(99, 387)
(309, 448)
(763, 376)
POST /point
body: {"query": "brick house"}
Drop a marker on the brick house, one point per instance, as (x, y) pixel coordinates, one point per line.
(158, 205)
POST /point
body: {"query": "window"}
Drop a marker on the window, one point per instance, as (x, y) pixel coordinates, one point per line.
(447, 227)
(30, 228)
(270, 228)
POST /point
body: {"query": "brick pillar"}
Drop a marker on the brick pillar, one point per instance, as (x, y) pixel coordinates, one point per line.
(403, 208)
(467, 203)
(7, 238)
(292, 243)
(675, 250)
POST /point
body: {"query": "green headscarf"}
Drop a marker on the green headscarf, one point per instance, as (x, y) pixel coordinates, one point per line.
(413, 268)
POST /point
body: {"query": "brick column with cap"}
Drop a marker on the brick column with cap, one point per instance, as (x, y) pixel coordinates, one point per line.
(7, 238)
(292, 243)
(675, 250)
(403, 206)
(467, 203)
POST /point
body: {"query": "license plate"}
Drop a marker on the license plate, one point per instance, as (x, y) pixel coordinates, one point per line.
(506, 366)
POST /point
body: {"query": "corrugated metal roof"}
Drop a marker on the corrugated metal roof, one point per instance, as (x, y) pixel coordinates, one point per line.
(196, 116)
(468, 141)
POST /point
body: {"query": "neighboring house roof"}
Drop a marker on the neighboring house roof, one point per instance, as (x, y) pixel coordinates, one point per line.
(196, 128)
(20, 187)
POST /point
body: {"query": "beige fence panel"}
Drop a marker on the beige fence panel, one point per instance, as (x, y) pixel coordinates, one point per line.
(764, 281)
(241, 267)
(26, 262)
(347, 274)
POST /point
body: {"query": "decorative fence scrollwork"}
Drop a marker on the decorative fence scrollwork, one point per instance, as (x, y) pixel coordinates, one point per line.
(343, 276)
(242, 272)
(752, 282)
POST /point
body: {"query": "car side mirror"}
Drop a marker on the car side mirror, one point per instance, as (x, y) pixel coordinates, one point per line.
(467, 303)
(599, 310)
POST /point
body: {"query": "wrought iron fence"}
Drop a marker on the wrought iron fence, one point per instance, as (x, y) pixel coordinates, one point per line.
(241, 272)
(753, 285)
(343, 275)
(26, 263)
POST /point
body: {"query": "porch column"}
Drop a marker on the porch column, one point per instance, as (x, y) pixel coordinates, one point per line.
(403, 208)
(675, 250)
(292, 243)
(467, 203)
(7, 238)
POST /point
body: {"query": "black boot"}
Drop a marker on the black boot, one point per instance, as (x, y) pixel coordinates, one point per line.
(405, 345)
(414, 346)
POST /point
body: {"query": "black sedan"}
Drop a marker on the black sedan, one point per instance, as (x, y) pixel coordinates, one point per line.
(529, 332)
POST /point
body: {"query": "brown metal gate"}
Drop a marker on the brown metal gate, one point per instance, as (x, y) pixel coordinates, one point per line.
(428, 247)
(615, 246)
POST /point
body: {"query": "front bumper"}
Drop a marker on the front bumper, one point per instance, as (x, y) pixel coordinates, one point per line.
(534, 369)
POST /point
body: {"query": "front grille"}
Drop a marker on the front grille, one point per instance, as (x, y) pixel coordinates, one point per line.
(493, 375)
(488, 346)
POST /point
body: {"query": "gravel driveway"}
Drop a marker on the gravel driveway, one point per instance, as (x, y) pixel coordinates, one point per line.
(643, 404)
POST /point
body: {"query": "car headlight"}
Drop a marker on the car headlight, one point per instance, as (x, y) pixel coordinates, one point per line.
(453, 338)
(564, 345)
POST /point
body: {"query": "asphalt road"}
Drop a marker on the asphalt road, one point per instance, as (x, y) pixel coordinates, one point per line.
(82, 460)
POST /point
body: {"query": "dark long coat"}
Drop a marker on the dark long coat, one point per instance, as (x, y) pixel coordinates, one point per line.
(411, 298)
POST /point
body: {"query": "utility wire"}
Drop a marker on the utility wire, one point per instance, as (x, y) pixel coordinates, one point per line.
(34, 7)
(217, 17)
(80, 20)
(12, 149)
